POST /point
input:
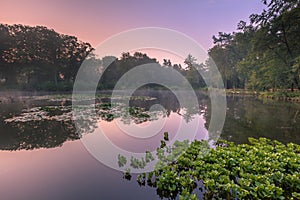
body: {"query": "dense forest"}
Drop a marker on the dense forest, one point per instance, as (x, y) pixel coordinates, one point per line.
(38, 58)
(263, 54)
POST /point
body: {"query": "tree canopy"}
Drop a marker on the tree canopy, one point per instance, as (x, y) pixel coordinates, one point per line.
(38, 58)
(265, 53)
(34, 57)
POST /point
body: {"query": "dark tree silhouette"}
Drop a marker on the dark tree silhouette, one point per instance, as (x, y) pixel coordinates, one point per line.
(33, 57)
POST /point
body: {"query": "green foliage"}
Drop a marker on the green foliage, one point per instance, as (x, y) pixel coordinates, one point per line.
(149, 157)
(39, 58)
(262, 169)
(121, 160)
(127, 174)
(137, 163)
(264, 54)
(166, 136)
(261, 55)
(138, 112)
(281, 95)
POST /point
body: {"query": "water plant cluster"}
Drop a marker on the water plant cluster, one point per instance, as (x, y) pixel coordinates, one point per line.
(261, 169)
(57, 113)
(282, 95)
(105, 111)
(87, 116)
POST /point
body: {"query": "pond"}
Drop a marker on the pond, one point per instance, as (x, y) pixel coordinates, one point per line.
(42, 156)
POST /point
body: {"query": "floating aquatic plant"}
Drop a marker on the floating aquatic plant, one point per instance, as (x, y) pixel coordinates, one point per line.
(121, 160)
(262, 169)
(105, 111)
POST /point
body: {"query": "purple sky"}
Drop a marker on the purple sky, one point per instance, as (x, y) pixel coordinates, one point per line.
(93, 21)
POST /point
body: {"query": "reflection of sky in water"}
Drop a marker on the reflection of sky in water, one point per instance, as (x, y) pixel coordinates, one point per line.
(65, 170)
(68, 172)
(109, 140)
(135, 144)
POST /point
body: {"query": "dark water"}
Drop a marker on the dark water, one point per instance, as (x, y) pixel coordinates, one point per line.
(250, 117)
(42, 157)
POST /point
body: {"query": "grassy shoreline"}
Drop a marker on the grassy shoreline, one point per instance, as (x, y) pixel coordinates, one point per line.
(280, 95)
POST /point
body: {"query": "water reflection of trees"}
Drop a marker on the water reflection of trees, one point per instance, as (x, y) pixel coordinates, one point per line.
(248, 117)
(39, 134)
(57, 126)
(245, 118)
(169, 101)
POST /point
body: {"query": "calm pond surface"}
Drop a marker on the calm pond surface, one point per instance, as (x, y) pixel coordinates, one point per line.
(42, 156)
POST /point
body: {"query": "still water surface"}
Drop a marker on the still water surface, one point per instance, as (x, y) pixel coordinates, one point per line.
(41, 156)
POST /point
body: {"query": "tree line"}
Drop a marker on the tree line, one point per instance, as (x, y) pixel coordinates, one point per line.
(260, 55)
(265, 53)
(38, 58)
(119, 66)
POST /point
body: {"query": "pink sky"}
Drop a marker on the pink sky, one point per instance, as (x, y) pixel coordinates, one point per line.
(94, 21)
